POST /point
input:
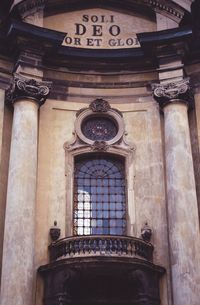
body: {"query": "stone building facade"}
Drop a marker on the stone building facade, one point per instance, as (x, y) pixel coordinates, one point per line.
(99, 152)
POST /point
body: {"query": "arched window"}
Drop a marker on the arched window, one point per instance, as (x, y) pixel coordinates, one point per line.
(99, 196)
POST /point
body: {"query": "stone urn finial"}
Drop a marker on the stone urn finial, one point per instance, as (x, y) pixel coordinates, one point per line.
(146, 233)
(54, 232)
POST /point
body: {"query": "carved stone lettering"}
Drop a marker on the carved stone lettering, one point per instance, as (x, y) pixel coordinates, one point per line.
(100, 28)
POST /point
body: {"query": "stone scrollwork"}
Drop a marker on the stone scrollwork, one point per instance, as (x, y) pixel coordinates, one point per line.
(99, 128)
(100, 146)
(100, 105)
(166, 93)
(23, 87)
(171, 90)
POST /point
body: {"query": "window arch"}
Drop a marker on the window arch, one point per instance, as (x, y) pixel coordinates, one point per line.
(99, 195)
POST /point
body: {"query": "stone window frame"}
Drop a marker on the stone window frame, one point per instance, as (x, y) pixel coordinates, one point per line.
(118, 146)
(111, 114)
(117, 160)
(128, 156)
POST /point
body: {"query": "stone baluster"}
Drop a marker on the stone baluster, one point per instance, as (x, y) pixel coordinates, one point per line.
(183, 222)
(17, 282)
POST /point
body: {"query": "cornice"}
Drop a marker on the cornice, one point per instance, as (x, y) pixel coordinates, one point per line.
(165, 36)
(14, 29)
(169, 8)
(28, 5)
(17, 36)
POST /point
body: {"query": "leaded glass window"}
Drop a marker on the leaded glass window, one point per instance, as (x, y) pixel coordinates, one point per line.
(99, 128)
(99, 196)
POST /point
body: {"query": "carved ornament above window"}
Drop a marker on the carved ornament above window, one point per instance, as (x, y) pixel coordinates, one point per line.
(100, 128)
(99, 123)
(100, 105)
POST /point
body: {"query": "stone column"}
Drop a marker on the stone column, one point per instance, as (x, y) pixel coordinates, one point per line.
(2, 201)
(183, 221)
(26, 95)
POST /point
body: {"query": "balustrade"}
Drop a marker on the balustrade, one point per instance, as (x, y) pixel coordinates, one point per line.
(100, 246)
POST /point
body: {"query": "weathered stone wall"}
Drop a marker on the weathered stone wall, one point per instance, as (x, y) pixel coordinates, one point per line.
(128, 92)
(142, 124)
(5, 137)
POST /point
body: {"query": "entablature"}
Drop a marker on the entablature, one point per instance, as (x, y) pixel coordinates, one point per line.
(171, 9)
(18, 36)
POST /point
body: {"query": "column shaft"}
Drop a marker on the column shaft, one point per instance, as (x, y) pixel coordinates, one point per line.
(2, 199)
(182, 207)
(18, 250)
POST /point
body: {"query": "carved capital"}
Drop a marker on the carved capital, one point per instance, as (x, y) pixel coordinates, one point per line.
(167, 93)
(27, 88)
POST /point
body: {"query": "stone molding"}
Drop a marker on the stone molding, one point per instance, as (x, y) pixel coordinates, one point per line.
(25, 88)
(172, 10)
(166, 7)
(173, 92)
(29, 5)
(99, 108)
(79, 145)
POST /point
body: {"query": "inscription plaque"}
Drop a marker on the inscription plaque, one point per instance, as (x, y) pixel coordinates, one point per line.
(100, 28)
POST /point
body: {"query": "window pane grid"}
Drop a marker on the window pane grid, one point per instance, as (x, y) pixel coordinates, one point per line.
(99, 197)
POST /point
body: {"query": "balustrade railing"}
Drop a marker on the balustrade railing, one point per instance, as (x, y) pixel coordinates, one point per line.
(83, 246)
